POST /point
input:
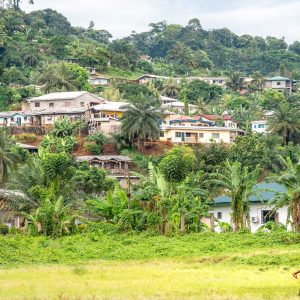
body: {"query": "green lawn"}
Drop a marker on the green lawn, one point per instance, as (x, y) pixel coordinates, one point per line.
(141, 266)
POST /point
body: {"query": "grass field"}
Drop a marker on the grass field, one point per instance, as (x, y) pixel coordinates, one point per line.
(120, 266)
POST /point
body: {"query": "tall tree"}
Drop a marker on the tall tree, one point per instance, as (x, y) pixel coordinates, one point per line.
(290, 178)
(285, 121)
(58, 77)
(235, 81)
(8, 156)
(140, 121)
(239, 183)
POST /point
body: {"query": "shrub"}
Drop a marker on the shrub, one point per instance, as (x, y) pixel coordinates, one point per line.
(26, 137)
(99, 138)
(93, 148)
(4, 229)
(15, 231)
(82, 228)
(224, 227)
(272, 226)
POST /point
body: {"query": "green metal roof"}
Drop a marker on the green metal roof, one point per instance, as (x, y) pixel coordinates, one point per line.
(268, 191)
(278, 78)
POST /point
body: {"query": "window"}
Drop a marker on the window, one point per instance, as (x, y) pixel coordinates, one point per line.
(51, 104)
(82, 104)
(278, 83)
(97, 116)
(188, 134)
(12, 119)
(215, 135)
(37, 104)
(178, 134)
(261, 125)
(201, 135)
(219, 215)
(67, 104)
(255, 126)
(267, 216)
(25, 118)
(162, 134)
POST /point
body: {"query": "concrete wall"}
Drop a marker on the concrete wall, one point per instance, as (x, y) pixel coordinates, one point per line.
(15, 120)
(255, 211)
(50, 119)
(83, 101)
(204, 135)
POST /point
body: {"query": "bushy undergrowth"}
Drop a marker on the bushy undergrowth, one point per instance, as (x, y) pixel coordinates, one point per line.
(105, 243)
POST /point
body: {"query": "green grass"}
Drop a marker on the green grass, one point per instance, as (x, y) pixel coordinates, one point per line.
(143, 266)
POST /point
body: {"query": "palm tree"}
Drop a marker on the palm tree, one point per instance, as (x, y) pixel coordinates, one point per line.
(285, 121)
(290, 179)
(26, 177)
(239, 183)
(181, 54)
(140, 122)
(9, 156)
(57, 77)
(31, 60)
(201, 106)
(171, 88)
(258, 81)
(235, 81)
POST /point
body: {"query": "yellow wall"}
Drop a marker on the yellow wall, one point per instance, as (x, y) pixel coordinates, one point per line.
(224, 135)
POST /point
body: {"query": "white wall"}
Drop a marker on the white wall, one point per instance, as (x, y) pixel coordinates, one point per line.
(255, 211)
(259, 127)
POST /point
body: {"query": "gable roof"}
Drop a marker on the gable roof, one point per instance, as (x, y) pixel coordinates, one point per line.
(104, 158)
(278, 78)
(7, 114)
(64, 96)
(266, 192)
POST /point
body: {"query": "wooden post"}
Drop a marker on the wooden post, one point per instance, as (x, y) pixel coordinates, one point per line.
(212, 222)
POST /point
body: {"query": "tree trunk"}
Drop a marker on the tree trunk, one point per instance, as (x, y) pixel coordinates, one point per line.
(182, 222)
(142, 145)
(164, 221)
(296, 215)
(199, 222)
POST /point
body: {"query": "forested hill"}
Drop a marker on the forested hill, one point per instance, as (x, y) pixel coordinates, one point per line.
(218, 49)
(30, 43)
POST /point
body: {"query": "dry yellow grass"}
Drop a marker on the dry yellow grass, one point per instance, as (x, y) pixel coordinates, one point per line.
(169, 279)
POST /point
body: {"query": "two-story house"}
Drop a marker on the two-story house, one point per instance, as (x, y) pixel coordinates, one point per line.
(279, 83)
(72, 105)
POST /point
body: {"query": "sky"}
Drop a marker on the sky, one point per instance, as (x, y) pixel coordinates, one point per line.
(121, 17)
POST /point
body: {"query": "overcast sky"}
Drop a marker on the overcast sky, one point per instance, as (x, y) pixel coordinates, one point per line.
(121, 17)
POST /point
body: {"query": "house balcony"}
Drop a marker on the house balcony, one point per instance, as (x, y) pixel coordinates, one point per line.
(191, 140)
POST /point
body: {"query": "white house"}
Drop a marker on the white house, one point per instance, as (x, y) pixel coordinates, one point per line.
(96, 81)
(260, 210)
(259, 126)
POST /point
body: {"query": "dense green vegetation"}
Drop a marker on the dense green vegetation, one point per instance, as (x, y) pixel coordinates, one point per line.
(104, 243)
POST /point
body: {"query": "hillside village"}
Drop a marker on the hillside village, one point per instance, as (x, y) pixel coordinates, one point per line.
(127, 108)
(143, 159)
(180, 123)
